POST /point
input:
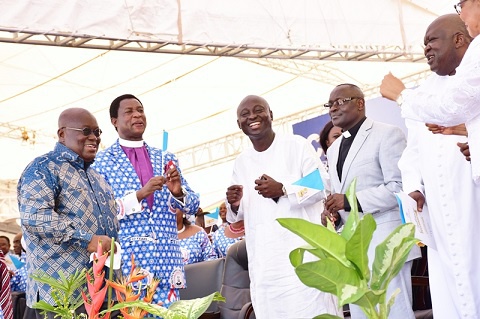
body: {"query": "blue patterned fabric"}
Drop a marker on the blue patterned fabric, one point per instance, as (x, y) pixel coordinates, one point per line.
(18, 282)
(149, 234)
(197, 248)
(62, 202)
(221, 243)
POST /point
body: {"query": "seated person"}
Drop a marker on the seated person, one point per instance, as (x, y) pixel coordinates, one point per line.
(194, 242)
(200, 221)
(227, 236)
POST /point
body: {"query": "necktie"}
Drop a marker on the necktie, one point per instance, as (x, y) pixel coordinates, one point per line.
(5, 294)
(143, 166)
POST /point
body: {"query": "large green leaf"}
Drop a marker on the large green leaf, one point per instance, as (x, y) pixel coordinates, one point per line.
(391, 254)
(357, 246)
(391, 301)
(182, 309)
(318, 236)
(350, 294)
(400, 257)
(296, 255)
(353, 217)
(327, 275)
(370, 299)
(194, 308)
(153, 309)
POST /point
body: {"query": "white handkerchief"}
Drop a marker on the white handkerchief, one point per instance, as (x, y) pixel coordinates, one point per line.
(117, 257)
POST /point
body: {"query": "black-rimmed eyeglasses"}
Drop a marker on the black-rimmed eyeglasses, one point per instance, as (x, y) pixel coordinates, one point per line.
(458, 6)
(86, 130)
(340, 102)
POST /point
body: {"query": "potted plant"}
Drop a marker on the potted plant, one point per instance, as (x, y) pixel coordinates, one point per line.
(129, 303)
(342, 268)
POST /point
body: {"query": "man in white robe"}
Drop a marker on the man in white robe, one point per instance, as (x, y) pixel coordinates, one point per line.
(260, 193)
(435, 172)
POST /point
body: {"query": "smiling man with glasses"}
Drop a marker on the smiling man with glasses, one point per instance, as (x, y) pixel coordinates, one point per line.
(368, 151)
(66, 207)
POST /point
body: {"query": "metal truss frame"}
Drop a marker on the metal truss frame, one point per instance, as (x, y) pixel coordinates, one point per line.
(338, 53)
(297, 61)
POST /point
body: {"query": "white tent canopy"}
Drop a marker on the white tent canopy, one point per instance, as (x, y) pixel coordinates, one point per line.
(210, 55)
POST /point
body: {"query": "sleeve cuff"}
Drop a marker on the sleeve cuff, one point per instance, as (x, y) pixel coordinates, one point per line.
(128, 205)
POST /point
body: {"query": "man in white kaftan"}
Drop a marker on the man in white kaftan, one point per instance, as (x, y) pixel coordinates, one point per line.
(431, 165)
(260, 193)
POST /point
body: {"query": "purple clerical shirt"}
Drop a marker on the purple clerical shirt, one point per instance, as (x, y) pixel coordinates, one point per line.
(140, 160)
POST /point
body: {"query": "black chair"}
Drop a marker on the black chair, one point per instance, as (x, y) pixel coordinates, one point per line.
(203, 279)
(236, 285)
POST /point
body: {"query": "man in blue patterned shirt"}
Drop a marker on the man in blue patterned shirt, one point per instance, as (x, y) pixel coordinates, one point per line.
(66, 207)
(149, 187)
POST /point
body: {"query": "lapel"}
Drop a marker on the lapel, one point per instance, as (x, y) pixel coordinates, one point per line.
(332, 157)
(360, 138)
(121, 162)
(157, 159)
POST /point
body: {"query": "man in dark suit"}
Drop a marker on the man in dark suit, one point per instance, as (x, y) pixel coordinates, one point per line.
(370, 152)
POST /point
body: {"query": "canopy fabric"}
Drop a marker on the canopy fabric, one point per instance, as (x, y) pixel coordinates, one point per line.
(193, 97)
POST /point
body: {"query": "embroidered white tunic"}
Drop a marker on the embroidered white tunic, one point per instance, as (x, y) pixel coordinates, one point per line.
(432, 164)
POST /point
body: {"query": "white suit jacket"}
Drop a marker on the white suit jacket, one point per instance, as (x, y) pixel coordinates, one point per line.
(373, 160)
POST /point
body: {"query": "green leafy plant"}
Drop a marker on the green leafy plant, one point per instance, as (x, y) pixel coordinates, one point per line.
(342, 268)
(63, 291)
(130, 306)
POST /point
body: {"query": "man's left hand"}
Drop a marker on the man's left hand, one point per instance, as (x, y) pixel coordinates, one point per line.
(335, 202)
(174, 182)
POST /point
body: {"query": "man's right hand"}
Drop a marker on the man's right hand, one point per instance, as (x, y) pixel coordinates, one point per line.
(419, 198)
(391, 87)
(93, 244)
(154, 184)
(234, 195)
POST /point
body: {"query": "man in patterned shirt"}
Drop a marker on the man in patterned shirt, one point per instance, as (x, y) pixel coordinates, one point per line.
(149, 187)
(66, 207)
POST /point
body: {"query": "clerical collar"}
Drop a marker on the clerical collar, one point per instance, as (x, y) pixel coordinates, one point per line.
(354, 130)
(128, 143)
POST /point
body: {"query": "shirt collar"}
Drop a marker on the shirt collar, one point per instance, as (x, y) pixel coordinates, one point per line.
(128, 143)
(354, 130)
(71, 155)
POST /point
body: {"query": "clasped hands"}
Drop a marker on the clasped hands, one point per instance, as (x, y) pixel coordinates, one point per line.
(333, 204)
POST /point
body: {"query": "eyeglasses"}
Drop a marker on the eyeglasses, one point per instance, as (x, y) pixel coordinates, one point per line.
(86, 130)
(340, 102)
(458, 6)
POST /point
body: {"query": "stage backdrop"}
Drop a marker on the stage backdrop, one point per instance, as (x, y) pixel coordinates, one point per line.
(378, 109)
